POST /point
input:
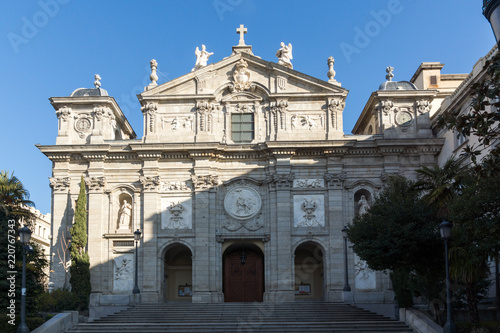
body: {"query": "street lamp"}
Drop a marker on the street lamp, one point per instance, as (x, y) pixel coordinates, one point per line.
(491, 10)
(137, 237)
(24, 236)
(445, 231)
(346, 274)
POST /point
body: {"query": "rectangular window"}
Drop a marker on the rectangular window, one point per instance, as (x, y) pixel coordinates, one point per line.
(242, 127)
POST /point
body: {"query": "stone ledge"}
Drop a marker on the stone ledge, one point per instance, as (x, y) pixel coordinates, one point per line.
(418, 321)
(59, 323)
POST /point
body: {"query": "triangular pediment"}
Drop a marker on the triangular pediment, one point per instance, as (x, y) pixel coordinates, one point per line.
(268, 76)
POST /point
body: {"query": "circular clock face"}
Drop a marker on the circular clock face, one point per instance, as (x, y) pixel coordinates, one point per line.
(83, 125)
(403, 118)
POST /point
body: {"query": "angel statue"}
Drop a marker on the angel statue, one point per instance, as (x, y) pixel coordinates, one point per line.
(284, 55)
(201, 57)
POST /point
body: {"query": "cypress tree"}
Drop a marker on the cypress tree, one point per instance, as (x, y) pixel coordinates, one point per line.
(80, 262)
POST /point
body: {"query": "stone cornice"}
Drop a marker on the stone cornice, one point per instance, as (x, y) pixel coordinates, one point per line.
(375, 146)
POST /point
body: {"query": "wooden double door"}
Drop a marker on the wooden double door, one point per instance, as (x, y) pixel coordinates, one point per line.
(243, 282)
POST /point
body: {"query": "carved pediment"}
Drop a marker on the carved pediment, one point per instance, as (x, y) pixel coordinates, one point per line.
(243, 73)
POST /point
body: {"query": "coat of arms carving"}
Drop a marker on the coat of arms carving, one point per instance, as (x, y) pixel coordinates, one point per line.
(241, 76)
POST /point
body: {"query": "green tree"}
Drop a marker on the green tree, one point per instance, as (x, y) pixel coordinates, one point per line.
(481, 121)
(14, 207)
(80, 262)
(14, 198)
(476, 236)
(398, 233)
(441, 184)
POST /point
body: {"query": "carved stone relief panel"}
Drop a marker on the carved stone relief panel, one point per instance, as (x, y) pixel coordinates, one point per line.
(123, 271)
(175, 186)
(308, 183)
(307, 122)
(242, 206)
(242, 203)
(177, 213)
(308, 211)
(178, 123)
(364, 278)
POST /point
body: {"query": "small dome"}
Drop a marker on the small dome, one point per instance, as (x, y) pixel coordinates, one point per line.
(397, 85)
(83, 92)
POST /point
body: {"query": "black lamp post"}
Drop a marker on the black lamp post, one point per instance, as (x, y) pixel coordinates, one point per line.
(24, 236)
(346, 274)
(491, 9)
(445, 231)
(137, 237)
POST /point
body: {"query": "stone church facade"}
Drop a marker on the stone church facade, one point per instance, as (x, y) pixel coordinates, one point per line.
(241, 184)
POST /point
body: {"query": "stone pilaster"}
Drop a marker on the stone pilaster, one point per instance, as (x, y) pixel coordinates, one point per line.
(281, 261)
(62, 216)
(204, 258)
(334, 181)
(149, 282)
(97, 222)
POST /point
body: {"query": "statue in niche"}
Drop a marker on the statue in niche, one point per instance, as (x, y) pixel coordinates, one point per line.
(363, 205)
(124, 215)
(284, 55)
(201, 57)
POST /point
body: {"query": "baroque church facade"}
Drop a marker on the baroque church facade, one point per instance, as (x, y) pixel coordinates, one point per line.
(241, 184)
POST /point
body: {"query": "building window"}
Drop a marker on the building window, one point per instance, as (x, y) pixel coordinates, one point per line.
(242, 127)
(460, 139)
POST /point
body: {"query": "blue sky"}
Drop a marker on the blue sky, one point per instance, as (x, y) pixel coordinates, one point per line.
(51, 47)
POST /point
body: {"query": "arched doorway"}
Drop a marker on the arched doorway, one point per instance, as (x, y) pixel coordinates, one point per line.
(243, 273)
(309, 277)
(178, 273)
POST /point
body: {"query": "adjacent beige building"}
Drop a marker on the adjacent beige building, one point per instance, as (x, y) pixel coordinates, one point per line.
(241, 183)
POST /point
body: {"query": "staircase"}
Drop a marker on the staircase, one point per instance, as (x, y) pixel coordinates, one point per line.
(243, 317)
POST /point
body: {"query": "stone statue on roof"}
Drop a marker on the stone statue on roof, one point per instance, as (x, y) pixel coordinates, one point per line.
(284, 55)
(201, 57)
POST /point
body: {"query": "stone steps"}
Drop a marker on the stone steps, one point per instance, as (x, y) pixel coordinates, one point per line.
(244, 317)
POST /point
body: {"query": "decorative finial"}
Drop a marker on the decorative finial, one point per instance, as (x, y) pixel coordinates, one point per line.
(331, 72)
(153, 77)
(201, 57)
(389, 75)
(97, 82)
(284, 55)
(241, 31)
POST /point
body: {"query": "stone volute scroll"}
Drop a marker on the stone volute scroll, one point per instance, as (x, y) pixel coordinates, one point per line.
(284, 55)
(60, 184)
(95, 184)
